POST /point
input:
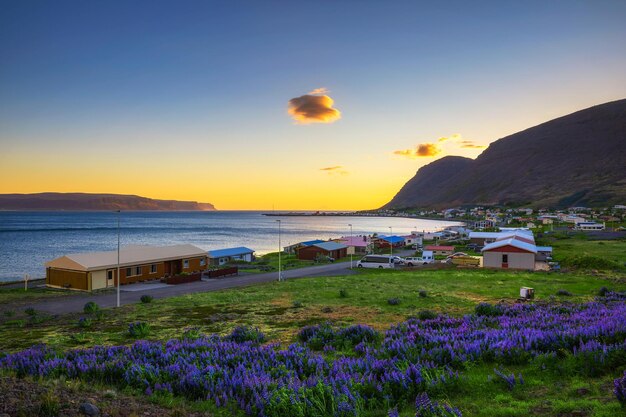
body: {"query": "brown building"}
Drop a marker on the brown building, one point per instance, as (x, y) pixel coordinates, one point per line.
(440, 250)
(332, 249)
(96, 270)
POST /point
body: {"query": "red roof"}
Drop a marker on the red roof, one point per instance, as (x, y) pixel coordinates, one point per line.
(439, 247)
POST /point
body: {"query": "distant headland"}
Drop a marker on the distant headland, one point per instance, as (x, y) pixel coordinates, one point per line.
(96, 202)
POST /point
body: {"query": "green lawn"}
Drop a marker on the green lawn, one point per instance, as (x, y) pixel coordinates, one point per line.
(281, 309)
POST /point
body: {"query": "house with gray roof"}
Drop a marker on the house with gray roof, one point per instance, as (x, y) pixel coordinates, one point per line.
(334, 250)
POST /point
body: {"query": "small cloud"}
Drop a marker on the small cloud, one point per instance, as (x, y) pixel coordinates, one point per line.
(335, 170)
(314, 107)
(454, 137)
(422, 150)
(470, 144)
(319, 91)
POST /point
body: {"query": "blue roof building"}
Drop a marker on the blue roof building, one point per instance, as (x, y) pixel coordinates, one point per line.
(223, 256)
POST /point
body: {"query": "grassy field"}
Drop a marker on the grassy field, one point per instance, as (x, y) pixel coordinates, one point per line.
(281, 309)
(613, 250)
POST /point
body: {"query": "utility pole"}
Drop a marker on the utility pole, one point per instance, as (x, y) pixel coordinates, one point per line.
(118, 257)
(280, 273)
(352, 246)
(391, 243)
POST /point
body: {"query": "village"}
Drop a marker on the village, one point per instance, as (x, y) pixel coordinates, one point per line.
(492, 238)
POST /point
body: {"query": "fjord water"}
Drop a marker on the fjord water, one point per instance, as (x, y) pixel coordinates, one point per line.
(29, 239)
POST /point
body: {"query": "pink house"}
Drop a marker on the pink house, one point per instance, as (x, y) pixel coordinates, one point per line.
(355, 244)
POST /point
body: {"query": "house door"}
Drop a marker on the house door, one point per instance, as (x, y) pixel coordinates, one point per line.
(505, 260)
(110, 278)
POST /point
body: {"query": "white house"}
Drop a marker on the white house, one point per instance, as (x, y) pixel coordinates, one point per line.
(514, 252)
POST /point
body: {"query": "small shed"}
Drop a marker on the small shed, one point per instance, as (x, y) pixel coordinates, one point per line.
(331, 249)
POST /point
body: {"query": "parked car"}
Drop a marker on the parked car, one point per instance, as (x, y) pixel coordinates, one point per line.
(376, 261)
(416, 260)
(398, 260)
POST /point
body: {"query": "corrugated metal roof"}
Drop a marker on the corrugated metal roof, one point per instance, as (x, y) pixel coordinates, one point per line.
(512, 241)
(311, 242)
(129, 255)
(330, 246)
(220, 253)
(392, 239)
(544, 248)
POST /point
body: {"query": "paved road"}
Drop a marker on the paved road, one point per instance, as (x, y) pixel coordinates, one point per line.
(63, 305)
(74, 304)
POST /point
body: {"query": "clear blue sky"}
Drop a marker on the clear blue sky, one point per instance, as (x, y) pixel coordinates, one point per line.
(119, 96)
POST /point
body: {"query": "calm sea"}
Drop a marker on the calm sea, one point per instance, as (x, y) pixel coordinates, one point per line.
(29, 239)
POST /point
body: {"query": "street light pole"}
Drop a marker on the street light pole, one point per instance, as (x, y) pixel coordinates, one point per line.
(280, 273)
(391, 243)
(118, 257)
(351, 242)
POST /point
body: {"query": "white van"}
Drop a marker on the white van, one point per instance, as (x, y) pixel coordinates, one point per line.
(376, 261)
(426, 258)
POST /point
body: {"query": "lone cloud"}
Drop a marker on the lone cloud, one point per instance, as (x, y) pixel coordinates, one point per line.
(335, 170)
(314, 107)
(423, 149)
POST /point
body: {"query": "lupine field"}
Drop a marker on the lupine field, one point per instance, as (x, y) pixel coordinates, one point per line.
(412, 369)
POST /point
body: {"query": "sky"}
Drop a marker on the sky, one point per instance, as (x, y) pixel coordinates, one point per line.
(326, 105)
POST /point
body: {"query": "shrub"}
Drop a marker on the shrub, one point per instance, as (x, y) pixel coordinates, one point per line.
(423, 293)
(508, 380)
(343, 293)
(16, 323)
(619, 389)
(359, 333)
(564, 293)
(317, 336)
(486, 309)
(241, 334)
(393, 301)
(298, 304)
(91, 307)
(138, 329)
(85, 322)
(146, 299)
(427, 315)
(192, 334)
(49, 405)
(425, 407)
(9, 313)
(30, 311)
(604, 291)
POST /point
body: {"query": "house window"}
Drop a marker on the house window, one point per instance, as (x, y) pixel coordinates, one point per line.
(185, 263)
(202, 262)
(129, 272)
(137, 270)
(505, 258)
(153, 269)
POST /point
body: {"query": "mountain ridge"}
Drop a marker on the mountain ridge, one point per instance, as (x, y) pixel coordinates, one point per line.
(95, 202)
(576, 159)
